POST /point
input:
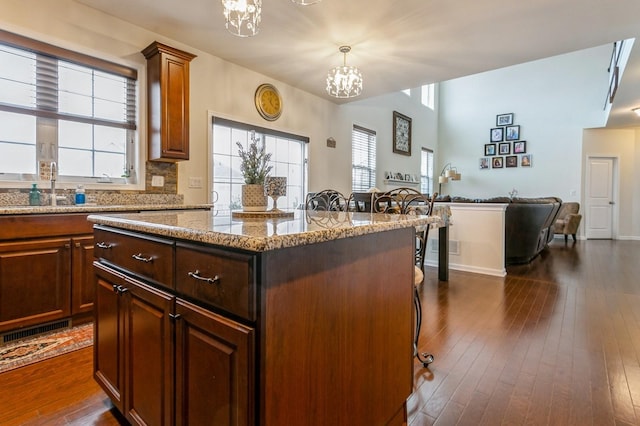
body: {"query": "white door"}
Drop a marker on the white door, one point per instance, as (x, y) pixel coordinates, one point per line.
(599, 211)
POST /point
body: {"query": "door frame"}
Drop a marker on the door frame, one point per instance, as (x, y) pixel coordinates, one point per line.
(615, 182)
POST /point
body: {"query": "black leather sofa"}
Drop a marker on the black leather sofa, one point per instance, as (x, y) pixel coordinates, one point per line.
(528, 224)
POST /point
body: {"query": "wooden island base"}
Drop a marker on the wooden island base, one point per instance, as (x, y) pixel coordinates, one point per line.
(318, 332)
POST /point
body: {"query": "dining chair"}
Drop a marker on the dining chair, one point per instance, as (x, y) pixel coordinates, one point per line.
(409, 201)
(326, 200)
(360, 202)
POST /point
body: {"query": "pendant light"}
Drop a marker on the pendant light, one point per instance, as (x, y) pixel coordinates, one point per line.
(344, 81)
(242, 17)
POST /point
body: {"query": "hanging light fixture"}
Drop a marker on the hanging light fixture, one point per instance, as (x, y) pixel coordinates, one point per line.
(344, 81)
(242, 16)
(306, 2)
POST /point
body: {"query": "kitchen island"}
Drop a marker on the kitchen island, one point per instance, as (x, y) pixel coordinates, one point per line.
(207, 319)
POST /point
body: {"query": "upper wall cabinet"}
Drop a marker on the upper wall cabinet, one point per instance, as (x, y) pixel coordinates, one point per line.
(168, 102)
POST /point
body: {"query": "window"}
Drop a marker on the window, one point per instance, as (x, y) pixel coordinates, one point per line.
(428, 95)
(426, 171)
(363, 152)
(62, 106)
(288, 158)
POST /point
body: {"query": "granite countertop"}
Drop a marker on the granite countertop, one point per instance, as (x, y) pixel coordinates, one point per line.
(93, 208)
(261, 234)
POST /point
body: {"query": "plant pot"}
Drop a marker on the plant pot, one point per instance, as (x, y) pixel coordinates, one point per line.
(253, 198)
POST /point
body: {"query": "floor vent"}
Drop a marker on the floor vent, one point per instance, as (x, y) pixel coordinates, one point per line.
(33, 331)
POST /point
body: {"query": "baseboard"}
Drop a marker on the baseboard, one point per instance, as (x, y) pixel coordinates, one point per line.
(473, 269)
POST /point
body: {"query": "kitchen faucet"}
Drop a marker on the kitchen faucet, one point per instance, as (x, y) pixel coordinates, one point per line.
(54, 173)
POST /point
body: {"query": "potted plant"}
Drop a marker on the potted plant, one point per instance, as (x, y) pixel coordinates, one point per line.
(254, 165)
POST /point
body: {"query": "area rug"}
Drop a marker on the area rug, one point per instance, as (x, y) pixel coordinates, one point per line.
(38, 348)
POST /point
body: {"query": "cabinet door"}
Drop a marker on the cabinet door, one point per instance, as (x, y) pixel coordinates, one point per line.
(133, 347)
(82, 288)
(34, 282)
(108, 350)
(149, 356)
(168, 102)
(214, 369)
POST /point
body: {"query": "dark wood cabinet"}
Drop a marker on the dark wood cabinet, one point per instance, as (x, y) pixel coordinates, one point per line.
(82, 288)
(35, 284)
(149, 341)
(214, 369)
(168, 102)
(134, 357)
(45, 269)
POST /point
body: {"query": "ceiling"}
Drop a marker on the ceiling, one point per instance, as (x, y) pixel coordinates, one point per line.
(397, 44)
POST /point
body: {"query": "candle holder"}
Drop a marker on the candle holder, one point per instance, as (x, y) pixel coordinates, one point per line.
(275, 187)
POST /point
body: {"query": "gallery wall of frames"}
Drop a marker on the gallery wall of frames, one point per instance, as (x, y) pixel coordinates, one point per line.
(506, 148)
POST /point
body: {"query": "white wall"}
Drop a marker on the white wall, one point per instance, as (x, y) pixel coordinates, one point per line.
(377, 114)
(552, 100)
(227, 90)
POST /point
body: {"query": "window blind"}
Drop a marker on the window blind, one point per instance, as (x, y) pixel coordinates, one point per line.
(426, 171)
(48, 87)
(363, 151)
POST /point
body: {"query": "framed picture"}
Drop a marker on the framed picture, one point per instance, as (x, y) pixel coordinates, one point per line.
(511, 161)
(504, 119)
(407, 177)
(504, 148)
(525, 160)
(513, 133)
(489, 149)
(398, 176)
(496, 163)
(484, 163)
(496, 134)
(401, 134)
(520, 147)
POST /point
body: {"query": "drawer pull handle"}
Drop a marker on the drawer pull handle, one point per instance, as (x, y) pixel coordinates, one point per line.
(141, 258)
(120, 289)
(196, 275)
(104, 245)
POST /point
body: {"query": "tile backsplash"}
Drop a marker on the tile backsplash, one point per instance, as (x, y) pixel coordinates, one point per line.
(106, 198)
(167, 194)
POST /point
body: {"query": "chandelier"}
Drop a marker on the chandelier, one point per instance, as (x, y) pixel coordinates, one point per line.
(306, 2)
(242, 16)
(344, 81)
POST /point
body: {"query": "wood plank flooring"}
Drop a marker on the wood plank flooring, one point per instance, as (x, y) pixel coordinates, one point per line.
(556, 342)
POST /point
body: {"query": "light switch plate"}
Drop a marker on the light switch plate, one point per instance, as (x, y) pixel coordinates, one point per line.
(195, 182)
(157, 180)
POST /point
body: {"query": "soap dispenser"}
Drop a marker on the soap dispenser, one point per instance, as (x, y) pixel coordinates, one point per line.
(34, 195)
(80, 194)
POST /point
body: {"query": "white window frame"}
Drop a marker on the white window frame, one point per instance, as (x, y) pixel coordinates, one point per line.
(48, 114)
(426, 171)
(226, 178)
(428, 95)
(363, 147)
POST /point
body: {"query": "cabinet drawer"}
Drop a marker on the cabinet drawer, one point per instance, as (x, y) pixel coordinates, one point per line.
(219, 278)
(147, 257)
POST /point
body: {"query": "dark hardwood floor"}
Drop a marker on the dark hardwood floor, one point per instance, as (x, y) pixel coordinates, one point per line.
(556, 342)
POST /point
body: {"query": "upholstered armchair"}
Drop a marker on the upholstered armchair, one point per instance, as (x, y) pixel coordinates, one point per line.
(568, 220)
